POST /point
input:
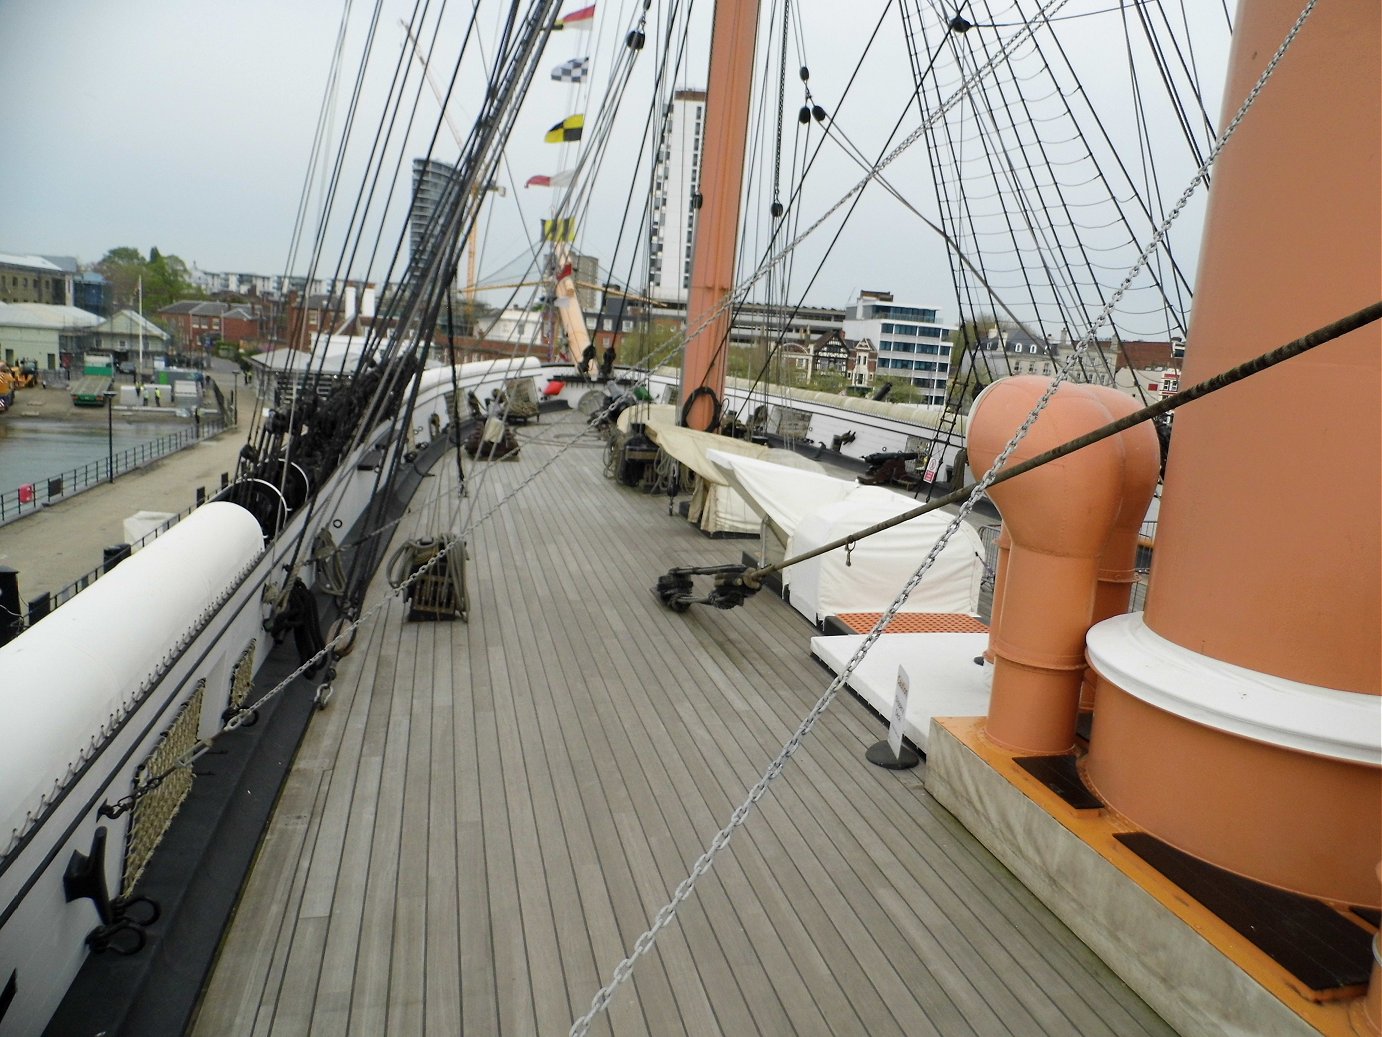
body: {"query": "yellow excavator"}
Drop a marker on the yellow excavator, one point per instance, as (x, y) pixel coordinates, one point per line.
(25, 374)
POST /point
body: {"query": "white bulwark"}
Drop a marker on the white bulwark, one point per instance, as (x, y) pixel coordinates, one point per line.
(913, 345)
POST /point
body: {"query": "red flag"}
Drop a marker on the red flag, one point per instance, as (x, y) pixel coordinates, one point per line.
(539, 181)
(582, 19)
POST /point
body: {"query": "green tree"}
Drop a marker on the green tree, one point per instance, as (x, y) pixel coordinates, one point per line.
(828, 381)
(968, 335)
(166, 279)
(650, 343)
(122, 268)
(903, 391)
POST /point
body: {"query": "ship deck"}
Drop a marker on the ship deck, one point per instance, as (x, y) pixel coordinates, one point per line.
(489, 813)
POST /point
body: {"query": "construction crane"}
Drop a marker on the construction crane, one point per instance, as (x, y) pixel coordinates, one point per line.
(470, 241)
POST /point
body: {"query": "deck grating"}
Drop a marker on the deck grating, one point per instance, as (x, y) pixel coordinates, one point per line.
(489, 814)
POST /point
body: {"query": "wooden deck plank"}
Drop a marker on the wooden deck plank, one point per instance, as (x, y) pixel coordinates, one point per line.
(246, 969)
(503, 805)
(595, 814)
(666, 750)
(442, 954)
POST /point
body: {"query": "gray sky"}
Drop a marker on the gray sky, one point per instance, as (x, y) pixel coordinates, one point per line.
(188, 126)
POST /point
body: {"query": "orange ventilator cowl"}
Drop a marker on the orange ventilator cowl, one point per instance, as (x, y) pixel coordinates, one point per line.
(1059, 518)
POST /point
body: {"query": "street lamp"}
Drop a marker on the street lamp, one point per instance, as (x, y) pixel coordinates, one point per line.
(109, 394)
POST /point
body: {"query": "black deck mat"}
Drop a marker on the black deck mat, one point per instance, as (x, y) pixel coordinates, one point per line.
(1061, 776)
(1312, 941)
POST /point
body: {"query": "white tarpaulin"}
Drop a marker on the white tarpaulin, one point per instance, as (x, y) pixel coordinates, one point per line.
(779, 493)
(808, 509)
(142, 523)
(876, 567)
(642, 412)
(715, 506)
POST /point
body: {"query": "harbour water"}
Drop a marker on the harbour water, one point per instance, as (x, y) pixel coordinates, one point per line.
(34, 450)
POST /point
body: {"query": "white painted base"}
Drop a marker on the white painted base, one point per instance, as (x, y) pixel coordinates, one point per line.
(1195, 988)
(945, 682)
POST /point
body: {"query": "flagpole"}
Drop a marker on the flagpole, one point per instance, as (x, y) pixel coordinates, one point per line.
(139, 371)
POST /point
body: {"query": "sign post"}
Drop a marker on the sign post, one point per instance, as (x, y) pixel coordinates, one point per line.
(893, 754)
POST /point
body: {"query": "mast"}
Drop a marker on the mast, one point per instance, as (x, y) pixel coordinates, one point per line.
(717, 224)
(139, 371)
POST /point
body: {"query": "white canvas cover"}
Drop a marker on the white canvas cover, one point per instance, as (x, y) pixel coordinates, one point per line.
(878, 565)
(643, 412)
(716, 506)
(780, 492)
(142, 523)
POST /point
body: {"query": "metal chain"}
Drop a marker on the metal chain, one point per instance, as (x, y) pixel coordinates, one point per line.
(703, 864)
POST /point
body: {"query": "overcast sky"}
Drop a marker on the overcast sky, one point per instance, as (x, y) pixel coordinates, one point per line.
(188, 125)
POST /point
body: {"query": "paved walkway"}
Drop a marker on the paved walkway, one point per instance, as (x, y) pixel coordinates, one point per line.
(55, 545)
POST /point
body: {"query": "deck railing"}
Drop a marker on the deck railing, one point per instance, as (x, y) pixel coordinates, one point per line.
(34, 495)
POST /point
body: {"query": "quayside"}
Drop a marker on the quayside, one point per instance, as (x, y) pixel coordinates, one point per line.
(490, 813)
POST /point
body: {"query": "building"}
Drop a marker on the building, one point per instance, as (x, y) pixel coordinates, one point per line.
(1150, 369)
(262, 286)
(431, 182)
(25, 278)
(91, 292)
(676, 180)
(1006, 351)
(350, 311)
(49, 335)
(202, 324)
(913, 347)
(831, 353)
(126, 335)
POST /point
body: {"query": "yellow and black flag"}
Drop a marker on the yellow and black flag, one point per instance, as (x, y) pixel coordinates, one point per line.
(567, 130)
(563, 229)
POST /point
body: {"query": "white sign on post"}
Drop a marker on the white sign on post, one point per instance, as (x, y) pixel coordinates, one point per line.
(899, 713)
(933, 466)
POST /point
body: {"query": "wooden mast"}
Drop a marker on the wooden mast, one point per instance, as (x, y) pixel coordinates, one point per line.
(717, 221)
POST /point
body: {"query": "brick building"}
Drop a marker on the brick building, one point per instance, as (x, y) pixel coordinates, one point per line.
(201, 324)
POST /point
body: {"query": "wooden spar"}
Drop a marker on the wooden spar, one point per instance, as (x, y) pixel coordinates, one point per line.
(717, 222)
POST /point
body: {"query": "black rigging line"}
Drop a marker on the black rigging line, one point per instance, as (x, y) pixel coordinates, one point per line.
(777, 231)
(1059, 17)
(1107, 142)
(1062, 192)
(844, 222)
(645, 217)
(1056, 247)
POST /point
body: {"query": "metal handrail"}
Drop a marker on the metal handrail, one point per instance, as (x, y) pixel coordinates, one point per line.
(30, 497)
(84, 581)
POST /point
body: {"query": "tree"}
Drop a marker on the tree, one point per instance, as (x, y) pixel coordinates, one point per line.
(166, 279)
(649, 343)
(828, 381)
(903, 391)
(122, 267)
(968, 335)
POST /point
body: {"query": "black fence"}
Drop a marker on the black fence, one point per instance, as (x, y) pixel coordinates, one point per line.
(40, 606)
(32, 496)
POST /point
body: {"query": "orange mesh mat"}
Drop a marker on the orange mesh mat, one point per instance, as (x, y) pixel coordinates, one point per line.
(915, 623)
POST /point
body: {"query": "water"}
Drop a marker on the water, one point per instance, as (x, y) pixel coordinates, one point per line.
(31, 451)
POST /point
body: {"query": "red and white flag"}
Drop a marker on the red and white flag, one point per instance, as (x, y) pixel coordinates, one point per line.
(582, 20)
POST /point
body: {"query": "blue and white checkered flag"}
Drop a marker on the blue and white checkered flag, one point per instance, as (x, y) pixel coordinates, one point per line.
(572, 71)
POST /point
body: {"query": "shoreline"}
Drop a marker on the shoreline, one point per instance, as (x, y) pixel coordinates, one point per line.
(54, 402)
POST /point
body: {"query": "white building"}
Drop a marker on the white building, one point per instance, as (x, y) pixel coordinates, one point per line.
(432, 182)
(676, 179)
(913, 346)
